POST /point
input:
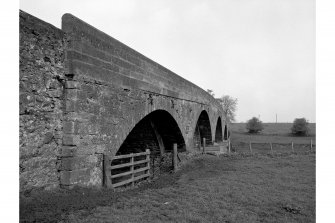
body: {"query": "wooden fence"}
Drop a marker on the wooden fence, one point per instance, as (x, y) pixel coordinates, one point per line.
(116, 176)
(252, 147)
(269, 147)
(222, 147)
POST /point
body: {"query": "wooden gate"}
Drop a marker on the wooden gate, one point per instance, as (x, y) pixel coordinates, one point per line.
(126, 169)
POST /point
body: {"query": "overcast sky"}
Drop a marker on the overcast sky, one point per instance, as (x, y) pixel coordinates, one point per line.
(261, 52)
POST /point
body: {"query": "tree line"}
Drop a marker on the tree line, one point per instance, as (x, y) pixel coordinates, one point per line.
(255, 125)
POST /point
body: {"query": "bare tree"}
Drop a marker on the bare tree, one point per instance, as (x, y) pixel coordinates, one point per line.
(229, 106)
(209, 91)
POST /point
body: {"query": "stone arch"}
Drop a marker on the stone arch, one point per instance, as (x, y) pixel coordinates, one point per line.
(202, 130)
(218, 130)
(157, 131)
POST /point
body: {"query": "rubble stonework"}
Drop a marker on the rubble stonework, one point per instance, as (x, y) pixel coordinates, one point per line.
(41, 102)
(81, 95)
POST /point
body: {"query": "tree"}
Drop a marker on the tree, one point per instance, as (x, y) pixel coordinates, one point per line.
(300, 127)
(209, 91)
(254, 125)
(229, 106)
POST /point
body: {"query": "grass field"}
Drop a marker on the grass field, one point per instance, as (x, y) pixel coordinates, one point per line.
(277, 133)
(272, 132)
(272, 128)
(235, 188)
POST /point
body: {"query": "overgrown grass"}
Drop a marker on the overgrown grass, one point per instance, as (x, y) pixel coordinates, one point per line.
(239, 188)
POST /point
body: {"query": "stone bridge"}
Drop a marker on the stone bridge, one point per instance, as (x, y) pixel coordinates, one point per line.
(89, 94)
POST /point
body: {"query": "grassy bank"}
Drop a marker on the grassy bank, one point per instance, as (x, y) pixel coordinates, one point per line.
(238, 188)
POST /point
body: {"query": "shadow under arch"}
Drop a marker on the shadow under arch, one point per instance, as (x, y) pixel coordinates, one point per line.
(226, 133)
(202, 130)
(218, 130)
(157, 131)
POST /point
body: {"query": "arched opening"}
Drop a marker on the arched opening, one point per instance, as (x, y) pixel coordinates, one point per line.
(202, 130)
(218, 131)
(158, 131)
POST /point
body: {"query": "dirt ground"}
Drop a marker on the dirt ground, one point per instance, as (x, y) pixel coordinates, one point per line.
(234, 188)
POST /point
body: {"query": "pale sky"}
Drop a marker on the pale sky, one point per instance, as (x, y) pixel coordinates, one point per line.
(261, 52)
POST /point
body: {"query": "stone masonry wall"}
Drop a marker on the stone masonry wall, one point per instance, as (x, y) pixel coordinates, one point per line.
(97, 119)
(103, 57)
(109, 89)
(41, 102)
(81, 94)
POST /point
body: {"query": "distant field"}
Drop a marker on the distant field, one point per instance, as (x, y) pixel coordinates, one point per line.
(273, 132)
(272, 128)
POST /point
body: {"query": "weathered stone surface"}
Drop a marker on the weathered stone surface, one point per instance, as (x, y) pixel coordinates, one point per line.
(84, 94)
(72, 85)
(70, 139)
(41, 92)
(82, 177)
(78, 162)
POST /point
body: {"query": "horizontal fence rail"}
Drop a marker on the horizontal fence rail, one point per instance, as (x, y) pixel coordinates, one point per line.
(128, 170)
(271, 147)
(217, 148)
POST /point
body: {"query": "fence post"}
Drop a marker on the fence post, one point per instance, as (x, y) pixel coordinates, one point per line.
(311, 145)
(175, 161)
(153, 165)
(250, 147)
(107, 172)
(292, 147)
(228, 146)
(271, 148)
(148, 159)
(132, 169)
(203, 144)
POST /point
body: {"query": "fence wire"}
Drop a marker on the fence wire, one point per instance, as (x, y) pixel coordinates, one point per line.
(265, 148)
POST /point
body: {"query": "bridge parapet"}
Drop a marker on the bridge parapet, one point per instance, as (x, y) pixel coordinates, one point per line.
(93, 53)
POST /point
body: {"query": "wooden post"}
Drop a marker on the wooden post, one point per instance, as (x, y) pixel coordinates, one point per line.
(250, 147)
(148, 159)
(229, 146)
(203, 144)
(132, 169)
(311, 145)
(199, 136)
(271, 148)
(175, 159)
(158, 137)
(107, 171)
(292, 147)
